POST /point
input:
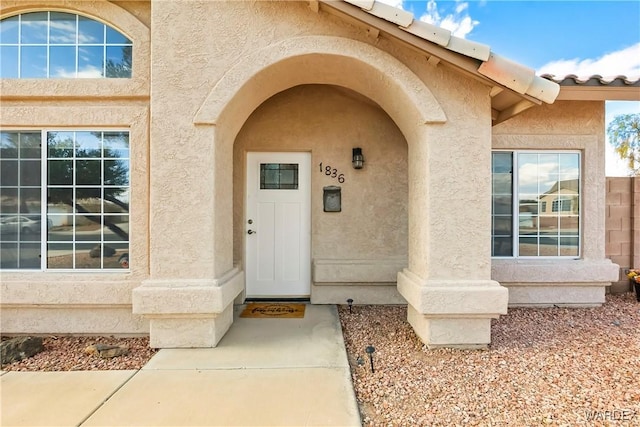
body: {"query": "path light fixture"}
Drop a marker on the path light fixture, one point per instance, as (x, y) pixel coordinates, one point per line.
(370, 349)
(350, 302)
(357, 158)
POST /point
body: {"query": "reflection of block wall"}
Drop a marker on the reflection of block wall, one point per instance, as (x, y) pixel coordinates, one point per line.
(623, 226)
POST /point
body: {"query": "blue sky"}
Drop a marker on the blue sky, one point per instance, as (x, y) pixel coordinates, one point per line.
(555, 37)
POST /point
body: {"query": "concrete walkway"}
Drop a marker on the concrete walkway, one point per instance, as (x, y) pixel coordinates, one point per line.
(264, 372)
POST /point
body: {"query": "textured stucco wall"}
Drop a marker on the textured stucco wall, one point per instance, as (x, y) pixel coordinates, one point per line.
(84, 302)
(183, 154)
(565, 125)
(329, 121)
(431, 135)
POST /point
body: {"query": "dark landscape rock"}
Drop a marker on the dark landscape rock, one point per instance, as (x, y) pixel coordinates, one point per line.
(19, 348)
(106, 351)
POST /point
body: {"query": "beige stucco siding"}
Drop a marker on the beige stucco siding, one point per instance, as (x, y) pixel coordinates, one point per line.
(329, 121)
(85, 302)
(565, 125)
(223, 78)
(247, 28)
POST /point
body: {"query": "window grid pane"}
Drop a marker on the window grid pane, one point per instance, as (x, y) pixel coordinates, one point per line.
(20, 204)
(88, 214)
(62, 45)
(278, 176)
(502, 204)
(549, 204)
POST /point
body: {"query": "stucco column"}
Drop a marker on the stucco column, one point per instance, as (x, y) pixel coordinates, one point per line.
(193, 283)
(447, 284)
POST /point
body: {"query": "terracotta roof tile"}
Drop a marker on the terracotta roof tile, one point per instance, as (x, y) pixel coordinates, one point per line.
(516, 77)
(594, 80)
(479, 60)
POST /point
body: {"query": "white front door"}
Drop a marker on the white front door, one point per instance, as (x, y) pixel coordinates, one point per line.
(278, 225)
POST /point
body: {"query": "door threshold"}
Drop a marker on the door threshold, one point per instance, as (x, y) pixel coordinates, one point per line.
(277, 299)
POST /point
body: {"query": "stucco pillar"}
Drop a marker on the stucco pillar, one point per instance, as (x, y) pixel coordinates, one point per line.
(447, 284)
(189, 296)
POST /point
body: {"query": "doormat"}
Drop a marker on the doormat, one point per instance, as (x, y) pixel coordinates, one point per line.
(266, 310)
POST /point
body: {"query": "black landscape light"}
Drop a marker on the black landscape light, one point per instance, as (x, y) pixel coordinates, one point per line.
(350, 302)
(370, 349)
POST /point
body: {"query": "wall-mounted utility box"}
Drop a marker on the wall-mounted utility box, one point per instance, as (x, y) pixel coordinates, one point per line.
(332, 198)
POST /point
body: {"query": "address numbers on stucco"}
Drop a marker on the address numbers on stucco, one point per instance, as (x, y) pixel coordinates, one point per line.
(332, 172)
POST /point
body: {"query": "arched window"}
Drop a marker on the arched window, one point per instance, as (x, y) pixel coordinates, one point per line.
(62, 45)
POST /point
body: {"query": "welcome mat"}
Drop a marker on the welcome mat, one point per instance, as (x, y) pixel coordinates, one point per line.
(264, 310)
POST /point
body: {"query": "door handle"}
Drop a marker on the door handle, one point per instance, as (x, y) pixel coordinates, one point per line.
(251, 232)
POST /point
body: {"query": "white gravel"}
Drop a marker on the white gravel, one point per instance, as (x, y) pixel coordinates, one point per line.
(545, 366)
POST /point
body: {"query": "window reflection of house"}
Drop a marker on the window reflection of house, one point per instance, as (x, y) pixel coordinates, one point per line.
(562, 198)
(547, 219)
(560, 206)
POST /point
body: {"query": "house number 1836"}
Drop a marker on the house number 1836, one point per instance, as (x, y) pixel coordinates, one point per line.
(332, 172)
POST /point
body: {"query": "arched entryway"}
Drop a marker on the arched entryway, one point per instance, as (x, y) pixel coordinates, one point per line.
(308, 60)
(356, 249)
(446, 305)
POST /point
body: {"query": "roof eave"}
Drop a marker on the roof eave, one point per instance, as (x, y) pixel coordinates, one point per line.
(468, 66)
(598, 93)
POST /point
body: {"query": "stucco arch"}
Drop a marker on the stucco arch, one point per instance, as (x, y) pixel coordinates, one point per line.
(321, 60)
(308, 60)
(443, 156)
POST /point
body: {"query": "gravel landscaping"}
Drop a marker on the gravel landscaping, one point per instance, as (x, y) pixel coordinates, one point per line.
(545, 366)
(65, 353)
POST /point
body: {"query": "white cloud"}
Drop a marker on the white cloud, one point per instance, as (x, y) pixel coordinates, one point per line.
(89, 72)
(534, 178)
(459, 22)
(622, 62)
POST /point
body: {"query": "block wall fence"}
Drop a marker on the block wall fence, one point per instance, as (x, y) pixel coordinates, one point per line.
(623, 227)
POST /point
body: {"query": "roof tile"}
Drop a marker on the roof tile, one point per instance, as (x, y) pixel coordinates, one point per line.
(515, 76)
(593, 80)
(543, 89)
(391, 14)
(429, 32)
(469, 48)
(363, 4)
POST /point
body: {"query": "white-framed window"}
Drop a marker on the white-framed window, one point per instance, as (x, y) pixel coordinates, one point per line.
(52, 44)
(64, 199)
(536, 204)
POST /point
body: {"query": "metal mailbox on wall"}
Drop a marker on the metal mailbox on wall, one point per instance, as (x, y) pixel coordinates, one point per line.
(332, 198)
